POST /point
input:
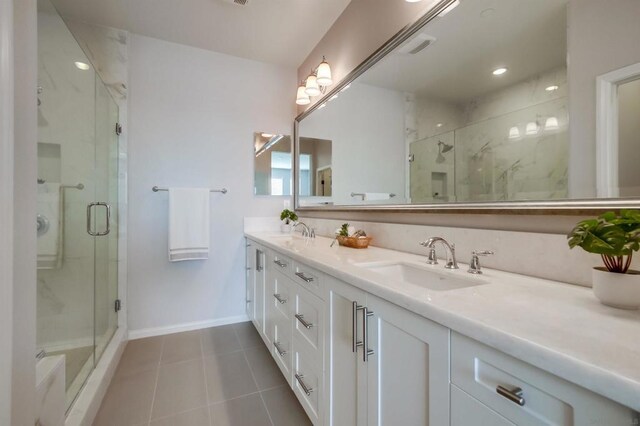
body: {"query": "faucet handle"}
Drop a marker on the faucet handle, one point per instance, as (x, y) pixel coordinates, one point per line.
(432, 258)
(474, 265)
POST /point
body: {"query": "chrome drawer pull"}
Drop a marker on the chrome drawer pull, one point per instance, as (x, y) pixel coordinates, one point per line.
(304, 277)
(281, 352)
(514, 395)
(300, 318)
(366, 352)
(304, 387)
(280, 299)
(355, 343)
(280, 263)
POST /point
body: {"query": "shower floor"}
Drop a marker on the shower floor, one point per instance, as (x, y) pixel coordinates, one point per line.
(74, 360)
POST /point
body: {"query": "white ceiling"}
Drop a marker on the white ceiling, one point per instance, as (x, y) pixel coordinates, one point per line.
(275, 31)
(526, 36)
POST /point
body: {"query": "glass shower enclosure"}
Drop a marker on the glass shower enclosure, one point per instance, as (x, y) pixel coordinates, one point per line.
(77, 204)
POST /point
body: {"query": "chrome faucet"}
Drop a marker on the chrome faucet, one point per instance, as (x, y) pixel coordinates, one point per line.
(432, 259)
(307, 231)
(474, 265)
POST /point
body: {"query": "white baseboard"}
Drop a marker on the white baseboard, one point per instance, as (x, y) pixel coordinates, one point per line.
(177, 328)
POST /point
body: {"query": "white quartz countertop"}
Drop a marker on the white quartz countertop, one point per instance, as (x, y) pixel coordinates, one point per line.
(557, 327)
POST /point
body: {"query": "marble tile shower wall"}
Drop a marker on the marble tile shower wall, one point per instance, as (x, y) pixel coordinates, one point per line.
(495, 158)
(533, 254)
(65, 296)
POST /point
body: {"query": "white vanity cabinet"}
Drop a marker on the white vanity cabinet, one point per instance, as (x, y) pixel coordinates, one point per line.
(386, 365)
(353, 358)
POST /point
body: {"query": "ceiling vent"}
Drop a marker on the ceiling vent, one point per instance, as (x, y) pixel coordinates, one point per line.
(416, 44)
(237, 2)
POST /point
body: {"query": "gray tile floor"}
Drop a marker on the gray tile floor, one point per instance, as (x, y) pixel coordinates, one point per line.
(221, 376)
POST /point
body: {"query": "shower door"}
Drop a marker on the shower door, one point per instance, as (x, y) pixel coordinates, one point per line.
(77, 204)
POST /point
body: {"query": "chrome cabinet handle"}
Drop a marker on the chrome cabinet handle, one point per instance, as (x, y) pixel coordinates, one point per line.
(305, 324)
(259, 260)
(107, 230)
(514, 394)
(281, 352)
(355, 343)
(280, 263)
(307, 390)
(304, 277)
(366, 352)
(280, 299)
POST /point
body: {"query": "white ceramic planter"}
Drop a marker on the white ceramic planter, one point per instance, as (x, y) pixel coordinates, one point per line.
(286, 228)
(617, 290)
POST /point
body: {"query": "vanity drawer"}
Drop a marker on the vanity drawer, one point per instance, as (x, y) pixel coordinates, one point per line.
(307, 277)
(308, 386)
(492, 378)
(283, 347)
(280, 263)
(308, 323)
(281, 297)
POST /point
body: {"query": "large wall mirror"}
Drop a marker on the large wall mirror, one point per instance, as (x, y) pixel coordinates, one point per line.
(476, 106)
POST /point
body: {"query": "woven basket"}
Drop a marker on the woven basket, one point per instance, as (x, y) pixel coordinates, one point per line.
(354, 242)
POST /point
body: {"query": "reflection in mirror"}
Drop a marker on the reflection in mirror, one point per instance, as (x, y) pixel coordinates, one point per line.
(473, 107)
(272, 164)
(315, 169)
(629, 138)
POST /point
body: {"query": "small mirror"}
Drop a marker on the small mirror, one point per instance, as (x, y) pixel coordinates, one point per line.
(272, 164)
(629, 138)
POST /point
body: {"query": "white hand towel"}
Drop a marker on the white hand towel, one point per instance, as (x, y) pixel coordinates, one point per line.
(188, 224)
(50, 206)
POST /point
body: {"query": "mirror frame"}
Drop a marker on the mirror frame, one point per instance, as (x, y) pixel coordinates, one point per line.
(565, 207)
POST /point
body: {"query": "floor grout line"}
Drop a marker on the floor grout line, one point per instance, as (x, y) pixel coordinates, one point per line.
(155, 387)
(264, 404)
(206, 382)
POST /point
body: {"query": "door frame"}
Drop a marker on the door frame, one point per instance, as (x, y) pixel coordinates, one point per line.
(607, 128)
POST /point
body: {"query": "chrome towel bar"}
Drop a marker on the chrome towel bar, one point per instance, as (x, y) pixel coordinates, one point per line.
(156, 189)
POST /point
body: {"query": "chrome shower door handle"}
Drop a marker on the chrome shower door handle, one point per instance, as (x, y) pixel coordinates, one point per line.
(107, 230)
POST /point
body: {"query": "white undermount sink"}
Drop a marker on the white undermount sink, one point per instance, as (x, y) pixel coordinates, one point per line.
(424, 276)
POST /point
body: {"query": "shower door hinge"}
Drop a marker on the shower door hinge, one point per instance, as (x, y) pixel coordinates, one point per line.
(118, 129)
(117, 305)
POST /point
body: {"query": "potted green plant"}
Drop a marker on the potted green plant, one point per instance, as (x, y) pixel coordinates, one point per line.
(288, 218)
(615, 237)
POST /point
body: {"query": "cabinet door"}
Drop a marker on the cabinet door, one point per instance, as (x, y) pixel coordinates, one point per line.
(346, 378)
(250, 279)
(466, 411)
(408, 369)
(259, 289)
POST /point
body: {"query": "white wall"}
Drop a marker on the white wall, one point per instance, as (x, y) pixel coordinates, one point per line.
(192, 118)
(367, 156)
(24, 210)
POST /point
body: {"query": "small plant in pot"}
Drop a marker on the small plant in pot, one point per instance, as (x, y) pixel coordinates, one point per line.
(615, 237)
(288, 218)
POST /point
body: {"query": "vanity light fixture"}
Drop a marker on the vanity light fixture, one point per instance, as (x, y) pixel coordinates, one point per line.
(316, 83)
(82, 65)
(499, 71)
(552, 88)
(514, 132)
(302, 98)
(531, 129)
(551, 124)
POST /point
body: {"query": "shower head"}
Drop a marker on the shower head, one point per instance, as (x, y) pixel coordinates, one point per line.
(444, 147)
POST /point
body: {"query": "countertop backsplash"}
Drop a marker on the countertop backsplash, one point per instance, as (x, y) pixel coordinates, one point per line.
(528, 253)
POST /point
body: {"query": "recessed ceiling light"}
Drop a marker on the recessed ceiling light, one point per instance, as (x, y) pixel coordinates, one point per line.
(82, 65)
(439, 125)
(266, 135)
(551, 88)
(413, 1)
(499, 71)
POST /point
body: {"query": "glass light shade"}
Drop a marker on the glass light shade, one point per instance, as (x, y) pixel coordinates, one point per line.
(514, 133)
(324, 74)
(302, 98)
(531, 129)
(551, 123)
(312, 88)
